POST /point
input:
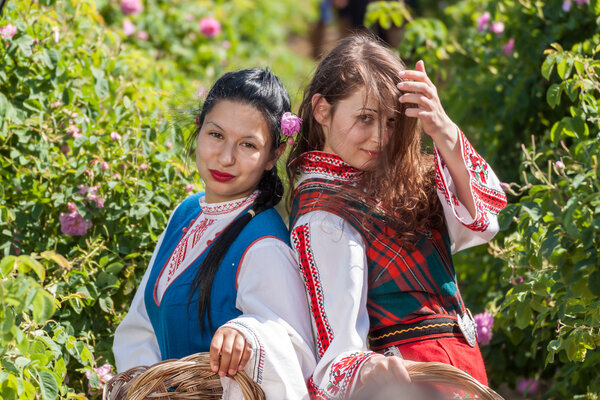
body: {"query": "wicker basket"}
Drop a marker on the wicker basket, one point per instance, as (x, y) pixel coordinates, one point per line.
(191, 378)
(183, 379)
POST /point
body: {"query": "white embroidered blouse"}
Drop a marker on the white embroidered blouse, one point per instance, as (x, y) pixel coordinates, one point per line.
(332, 255)
(270, 295)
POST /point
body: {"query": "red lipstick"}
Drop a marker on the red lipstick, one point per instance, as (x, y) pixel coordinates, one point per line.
(220, 175)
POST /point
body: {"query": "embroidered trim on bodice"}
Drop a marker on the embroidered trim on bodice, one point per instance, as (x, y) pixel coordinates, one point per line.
(318, 164)
(220, 210)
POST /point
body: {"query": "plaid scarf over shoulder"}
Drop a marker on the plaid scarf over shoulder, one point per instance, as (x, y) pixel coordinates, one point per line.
(403, 283)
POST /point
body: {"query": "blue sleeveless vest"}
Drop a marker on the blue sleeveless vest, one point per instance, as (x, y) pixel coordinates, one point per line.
(176, 325)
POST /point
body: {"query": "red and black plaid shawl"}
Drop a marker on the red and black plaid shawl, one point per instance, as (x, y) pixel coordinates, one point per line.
(404, 284)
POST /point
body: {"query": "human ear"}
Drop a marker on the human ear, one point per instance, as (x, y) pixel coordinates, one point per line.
(278, 152)
(321, 109)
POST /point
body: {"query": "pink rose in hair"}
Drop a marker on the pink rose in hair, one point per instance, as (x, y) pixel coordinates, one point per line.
(210, 27)
(131, 7)
(290, 124)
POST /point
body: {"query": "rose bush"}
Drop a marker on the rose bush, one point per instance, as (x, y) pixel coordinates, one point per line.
(93, 162)
(514, 73)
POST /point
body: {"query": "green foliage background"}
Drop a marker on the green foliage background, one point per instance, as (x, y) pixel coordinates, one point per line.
(71, 69)
(533, 113)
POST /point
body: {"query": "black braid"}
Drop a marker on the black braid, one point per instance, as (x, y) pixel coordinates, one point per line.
(263, 90)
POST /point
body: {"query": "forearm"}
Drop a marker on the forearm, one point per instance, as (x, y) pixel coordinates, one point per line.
(450, 149)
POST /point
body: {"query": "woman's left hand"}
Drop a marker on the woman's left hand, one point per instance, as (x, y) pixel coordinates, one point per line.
(423, 93)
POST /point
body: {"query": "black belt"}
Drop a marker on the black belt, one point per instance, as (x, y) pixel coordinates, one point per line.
(413, 331)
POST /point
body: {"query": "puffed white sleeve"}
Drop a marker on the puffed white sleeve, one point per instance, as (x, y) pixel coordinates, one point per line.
(466, 231)
(275, 322)
(135, 343)
(332, 260)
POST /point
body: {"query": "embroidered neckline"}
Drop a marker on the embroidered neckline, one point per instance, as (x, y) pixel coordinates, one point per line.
(227, 207)
(327, 165)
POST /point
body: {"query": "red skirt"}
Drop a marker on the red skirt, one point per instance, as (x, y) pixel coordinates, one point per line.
(453, 350)
(431, 338)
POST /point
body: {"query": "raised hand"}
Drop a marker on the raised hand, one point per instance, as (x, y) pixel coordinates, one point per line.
(423, 93)
(229, 351)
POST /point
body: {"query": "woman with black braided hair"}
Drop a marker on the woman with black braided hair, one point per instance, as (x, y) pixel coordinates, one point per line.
(223, 277)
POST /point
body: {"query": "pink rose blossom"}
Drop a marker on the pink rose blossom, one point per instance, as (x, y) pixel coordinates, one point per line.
(483, 21)
(143, 167)
(117, 176)
(169, 145)
(73, 130)
(509, 47)
(104, 374)
(566, 5)
(71, 206)
(89, 173)
(72, 223)
(143, 36)
(210, 27)
(290, 124)
(128, 27)
(83, 189)
(65, 149)
(527, 386)
(226, 44)
(104, 166)
(189, 188)
(497, 27)
(484, 323)
(96, 199)
(131, 7)
(56, 104)
(115, 136)
(8, 31)
(559, 165)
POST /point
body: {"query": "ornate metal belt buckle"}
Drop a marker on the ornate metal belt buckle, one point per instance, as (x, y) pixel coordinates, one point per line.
(468, 327)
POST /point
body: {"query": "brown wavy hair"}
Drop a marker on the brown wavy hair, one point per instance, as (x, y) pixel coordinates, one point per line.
(401, 187)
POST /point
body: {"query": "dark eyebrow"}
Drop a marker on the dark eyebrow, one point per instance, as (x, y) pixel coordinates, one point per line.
(215, 124)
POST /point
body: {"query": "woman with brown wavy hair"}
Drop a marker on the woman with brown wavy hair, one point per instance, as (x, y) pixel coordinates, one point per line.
(375, 219)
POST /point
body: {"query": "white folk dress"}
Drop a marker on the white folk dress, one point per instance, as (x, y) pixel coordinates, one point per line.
(270, 295)
(332, 257)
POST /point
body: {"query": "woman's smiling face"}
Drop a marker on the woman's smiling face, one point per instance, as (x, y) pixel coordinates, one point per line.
(353, 129)
(233, 149)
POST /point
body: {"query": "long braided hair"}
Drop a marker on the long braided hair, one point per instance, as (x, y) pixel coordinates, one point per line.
(265, 92)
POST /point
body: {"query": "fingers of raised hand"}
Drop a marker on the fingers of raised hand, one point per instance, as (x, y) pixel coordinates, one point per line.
(415, 98)
(414, 75)
(418, 87)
